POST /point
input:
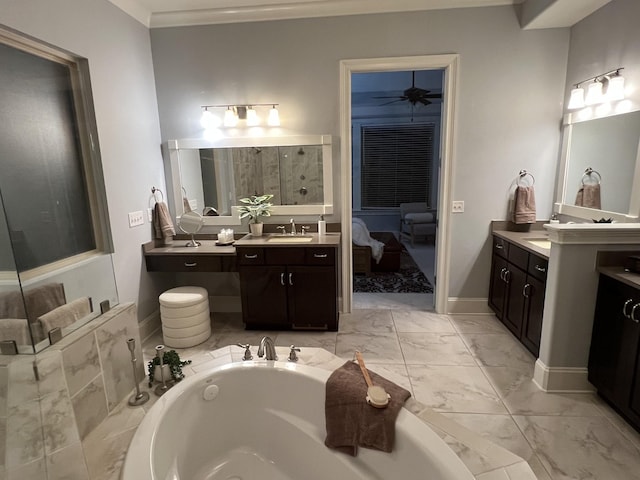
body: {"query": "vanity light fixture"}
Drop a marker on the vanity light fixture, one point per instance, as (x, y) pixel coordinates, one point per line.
(235, 113)
(606, 87)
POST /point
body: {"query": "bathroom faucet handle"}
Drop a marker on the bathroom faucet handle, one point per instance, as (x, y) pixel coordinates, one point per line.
(305, 229)
(282, 228)
(292, 354)
(247, 351)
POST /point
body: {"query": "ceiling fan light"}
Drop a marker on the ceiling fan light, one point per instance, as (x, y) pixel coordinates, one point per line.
(577, 99)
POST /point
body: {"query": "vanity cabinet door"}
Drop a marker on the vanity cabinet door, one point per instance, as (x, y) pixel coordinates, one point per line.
(498, 285)
(515, 310)
(264, 296)
(312, 298)
(534, 305)
(614, 342)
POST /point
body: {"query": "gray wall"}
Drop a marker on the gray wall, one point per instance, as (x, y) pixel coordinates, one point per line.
(119, 53)
(509, 100)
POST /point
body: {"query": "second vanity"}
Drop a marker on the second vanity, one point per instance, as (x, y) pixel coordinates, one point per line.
(286, 281)
(518, 281)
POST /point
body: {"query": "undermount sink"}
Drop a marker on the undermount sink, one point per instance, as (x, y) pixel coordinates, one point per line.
(289, 239)
(540, 242)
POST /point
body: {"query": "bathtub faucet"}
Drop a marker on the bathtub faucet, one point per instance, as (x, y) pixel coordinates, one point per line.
(267, 349)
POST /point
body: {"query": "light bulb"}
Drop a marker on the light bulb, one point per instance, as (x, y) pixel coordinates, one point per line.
(274, 117)
(577, 98)
(209, 120)
(615, 89)
(230, 118)
(252, 117)
(594, 93)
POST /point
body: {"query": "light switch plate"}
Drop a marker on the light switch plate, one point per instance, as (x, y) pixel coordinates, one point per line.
(136, 218)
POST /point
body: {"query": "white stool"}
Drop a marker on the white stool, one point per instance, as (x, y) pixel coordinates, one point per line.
(184, 312)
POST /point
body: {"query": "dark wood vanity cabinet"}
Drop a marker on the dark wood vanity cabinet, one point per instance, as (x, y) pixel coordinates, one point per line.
(284, 287)
(614, 364)
(516, 291)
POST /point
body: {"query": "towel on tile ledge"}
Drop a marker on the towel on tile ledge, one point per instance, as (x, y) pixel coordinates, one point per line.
(524, 210)
(65, 315)
(351, 422)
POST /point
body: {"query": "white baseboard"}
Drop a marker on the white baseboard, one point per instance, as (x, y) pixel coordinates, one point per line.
(561, 379)
(468, 305)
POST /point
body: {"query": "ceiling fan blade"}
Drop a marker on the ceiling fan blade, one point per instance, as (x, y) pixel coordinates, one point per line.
(424, 101)
(433, 95)
(392, 96)
(392, 101)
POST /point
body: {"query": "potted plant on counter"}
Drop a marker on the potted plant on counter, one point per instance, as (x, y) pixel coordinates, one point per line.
(254, 207)
(172, 367)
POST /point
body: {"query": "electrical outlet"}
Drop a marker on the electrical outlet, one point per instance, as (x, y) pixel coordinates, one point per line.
(136, 218)
(457, 206)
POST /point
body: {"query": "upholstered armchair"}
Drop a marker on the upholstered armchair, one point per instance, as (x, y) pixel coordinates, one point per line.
(417, 219)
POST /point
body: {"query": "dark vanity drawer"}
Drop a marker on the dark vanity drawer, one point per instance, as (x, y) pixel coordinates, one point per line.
(538, 267)
(284, 256)
(518, 256)
(183, 263)
(500, 247)
(320, 256)
(250, 256)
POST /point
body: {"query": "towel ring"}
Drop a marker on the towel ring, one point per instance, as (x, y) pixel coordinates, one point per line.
(153, 192)
(184, 190)
(522, 175)
(589, 172)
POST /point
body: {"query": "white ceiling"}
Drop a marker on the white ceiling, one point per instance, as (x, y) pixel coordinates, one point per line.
(170, 13)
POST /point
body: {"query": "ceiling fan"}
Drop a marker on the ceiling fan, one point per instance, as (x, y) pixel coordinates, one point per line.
(413, 94)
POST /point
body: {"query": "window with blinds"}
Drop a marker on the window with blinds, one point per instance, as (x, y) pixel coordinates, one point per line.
(397, 163)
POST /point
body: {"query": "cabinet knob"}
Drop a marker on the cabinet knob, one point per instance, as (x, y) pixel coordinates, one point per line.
(291, 279)
(526, 293)
(190, 264)
(499, 246)
(502, 272)
(539, 268)
(320, 255)
(624, 307)
(507, 275)
(250, 257)
(282, 279)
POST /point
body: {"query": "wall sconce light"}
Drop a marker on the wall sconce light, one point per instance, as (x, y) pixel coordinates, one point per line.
(606, 87)
(235, 113)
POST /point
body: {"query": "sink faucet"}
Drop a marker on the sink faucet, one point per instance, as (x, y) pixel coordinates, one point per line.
(293, 227)
(267, 349)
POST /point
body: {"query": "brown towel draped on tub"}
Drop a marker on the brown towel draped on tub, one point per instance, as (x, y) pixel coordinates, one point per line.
(350, 421)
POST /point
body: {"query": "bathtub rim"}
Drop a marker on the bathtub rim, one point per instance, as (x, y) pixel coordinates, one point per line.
(139, 455)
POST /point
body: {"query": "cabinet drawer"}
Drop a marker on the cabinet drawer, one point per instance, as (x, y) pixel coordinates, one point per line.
(500, 247)
(518, 256)
(320, 256)
(183, 263)
(250, 256)
(284, 256)
(538, 267)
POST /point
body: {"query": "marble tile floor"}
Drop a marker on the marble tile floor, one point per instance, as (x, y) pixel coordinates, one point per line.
(470, 369)
(466, 367)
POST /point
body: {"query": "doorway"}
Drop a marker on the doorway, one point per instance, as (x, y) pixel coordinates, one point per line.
(448, 64)
(395, 125)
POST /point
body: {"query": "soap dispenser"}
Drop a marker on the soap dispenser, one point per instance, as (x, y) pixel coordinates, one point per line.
(322, 226)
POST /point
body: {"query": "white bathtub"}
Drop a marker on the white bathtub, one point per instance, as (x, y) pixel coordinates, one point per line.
(267, 422)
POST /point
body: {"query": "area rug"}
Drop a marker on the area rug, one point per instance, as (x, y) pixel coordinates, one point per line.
(409, 279)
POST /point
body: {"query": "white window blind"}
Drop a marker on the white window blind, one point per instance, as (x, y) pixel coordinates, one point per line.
(396, 164)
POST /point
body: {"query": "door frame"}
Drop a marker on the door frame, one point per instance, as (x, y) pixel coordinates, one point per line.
(448, 63)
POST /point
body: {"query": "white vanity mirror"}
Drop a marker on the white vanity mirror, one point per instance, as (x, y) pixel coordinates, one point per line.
(602, 152)
(209, 176)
